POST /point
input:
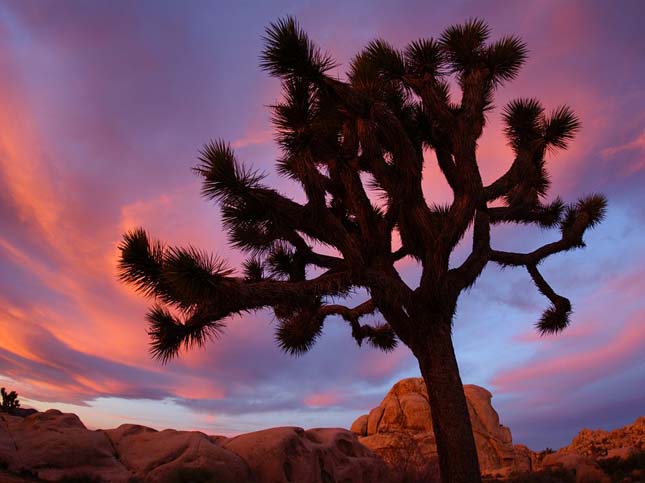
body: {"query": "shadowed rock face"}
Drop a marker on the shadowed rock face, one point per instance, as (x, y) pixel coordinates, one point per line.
(400, 429)
(52, 445)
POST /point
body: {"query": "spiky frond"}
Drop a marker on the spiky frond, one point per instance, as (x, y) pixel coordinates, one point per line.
(387, 60)
(168, 334)
(424, 57)
(505, 58)
(253, 269)
(141, 261)
(193, 274)
(293, 117)
(586, 213)
(251, 236)
(463, 44)
(523, 120)
(222, 175)
(594, 206)
(555, 319)
(181, 277)
(298, 333)
(546, 216)
(561, 127)
(550, 215)
(281, 263)
(381, 336)
(289, 52)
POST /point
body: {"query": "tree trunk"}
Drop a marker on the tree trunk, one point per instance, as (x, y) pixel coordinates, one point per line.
(453, 432)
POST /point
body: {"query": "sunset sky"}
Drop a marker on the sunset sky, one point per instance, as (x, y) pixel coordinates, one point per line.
(103, 109)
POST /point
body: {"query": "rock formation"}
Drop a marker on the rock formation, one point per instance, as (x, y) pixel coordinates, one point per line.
(590, 449)
(598, 443)
(53, 445)
(400, 430)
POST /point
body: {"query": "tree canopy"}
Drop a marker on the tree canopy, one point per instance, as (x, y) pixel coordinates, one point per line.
(341, 140)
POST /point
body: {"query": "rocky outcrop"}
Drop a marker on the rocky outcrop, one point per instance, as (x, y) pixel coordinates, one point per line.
(586, 470)
(400, 430)
(157, 456)
(53, 445)
(598, 443)
(590, 449)
(289, 454)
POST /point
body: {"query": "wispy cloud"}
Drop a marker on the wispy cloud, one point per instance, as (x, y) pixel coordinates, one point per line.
(93, 144)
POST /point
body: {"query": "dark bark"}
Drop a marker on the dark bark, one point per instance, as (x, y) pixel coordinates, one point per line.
(450, 419)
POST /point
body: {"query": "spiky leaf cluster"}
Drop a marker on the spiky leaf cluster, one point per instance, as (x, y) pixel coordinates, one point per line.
(555, 319)
(298, 327)
(527, 126)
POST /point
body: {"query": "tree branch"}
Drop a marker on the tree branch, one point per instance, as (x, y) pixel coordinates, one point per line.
(555, 318)
(546, 216)
(466, 274)
(509, 179)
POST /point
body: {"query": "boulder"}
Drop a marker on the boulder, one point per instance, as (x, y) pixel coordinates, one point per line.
(290, 454)
(159, 456)
(524, 460)
(52, 445)
(400, 429)
(359, 426)
(586, 469)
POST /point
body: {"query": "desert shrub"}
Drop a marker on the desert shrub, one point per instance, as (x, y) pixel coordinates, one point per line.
(10, 401)
(620, 469)
(80, 478)
(27, 473)
(408, 464)
(192, 475)
(544, 476)
(422, 474)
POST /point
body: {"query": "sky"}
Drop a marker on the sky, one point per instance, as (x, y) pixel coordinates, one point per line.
(105, 106)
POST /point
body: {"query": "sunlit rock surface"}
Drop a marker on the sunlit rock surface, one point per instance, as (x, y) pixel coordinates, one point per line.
(400, 430)
(53, 445)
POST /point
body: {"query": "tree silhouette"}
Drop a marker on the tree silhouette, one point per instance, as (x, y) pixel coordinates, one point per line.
(343, 141)
(10, 400)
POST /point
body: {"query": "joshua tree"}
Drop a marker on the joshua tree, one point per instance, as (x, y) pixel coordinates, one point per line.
(9, 400)
(357, 147)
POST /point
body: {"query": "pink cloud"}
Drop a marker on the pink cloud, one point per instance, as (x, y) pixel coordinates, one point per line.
(566, 369)
(323, 399)
(379, 365)
(633, 165)
(636, 144)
